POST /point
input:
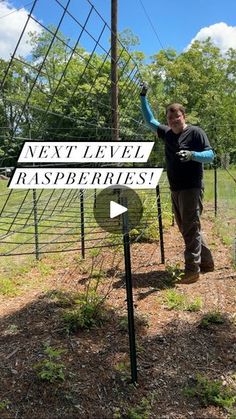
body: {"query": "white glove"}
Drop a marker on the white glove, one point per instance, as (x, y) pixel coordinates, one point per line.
(185, 155)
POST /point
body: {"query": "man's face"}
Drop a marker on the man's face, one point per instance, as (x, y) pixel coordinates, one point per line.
(176, 121)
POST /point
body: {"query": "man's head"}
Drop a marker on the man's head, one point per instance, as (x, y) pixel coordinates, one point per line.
(175, 114)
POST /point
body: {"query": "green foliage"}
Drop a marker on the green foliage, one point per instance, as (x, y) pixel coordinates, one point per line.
(97, 274)
(88, 311)
(211, 318)
(194, 305)
(123, 370)
(143, 410)
(123, 323)
(51, 369)
(4, 404)
(202, 78)
(147, 234)
(174, 271)
(94, 252)
(176, 301)
(62, 298)
(211, 392)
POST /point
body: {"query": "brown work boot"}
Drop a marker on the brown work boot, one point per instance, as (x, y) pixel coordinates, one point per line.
(189, 277)
(207, 268)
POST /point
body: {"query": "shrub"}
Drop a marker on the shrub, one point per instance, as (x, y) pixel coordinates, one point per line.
(211, 392)
(214, 317)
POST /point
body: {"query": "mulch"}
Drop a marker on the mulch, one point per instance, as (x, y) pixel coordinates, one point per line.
(172, 348)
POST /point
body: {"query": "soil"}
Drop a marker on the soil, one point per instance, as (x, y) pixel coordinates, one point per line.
(172, 348)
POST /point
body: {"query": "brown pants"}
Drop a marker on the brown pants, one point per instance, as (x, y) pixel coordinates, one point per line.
(187, 207)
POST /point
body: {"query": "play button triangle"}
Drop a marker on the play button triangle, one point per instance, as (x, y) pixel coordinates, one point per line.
(116, 209)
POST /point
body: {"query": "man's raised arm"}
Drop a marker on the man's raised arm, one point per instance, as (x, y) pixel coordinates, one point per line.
(147, 111)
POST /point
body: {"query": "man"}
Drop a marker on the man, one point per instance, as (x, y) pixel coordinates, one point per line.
(186, 149)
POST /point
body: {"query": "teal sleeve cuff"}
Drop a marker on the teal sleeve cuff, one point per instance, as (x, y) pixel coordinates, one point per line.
(148, 115)
(206, 156)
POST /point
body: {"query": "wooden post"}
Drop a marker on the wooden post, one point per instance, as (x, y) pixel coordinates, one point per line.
(114, 73)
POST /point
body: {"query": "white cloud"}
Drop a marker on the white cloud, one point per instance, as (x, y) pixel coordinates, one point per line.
(12, 22)
(222, 35)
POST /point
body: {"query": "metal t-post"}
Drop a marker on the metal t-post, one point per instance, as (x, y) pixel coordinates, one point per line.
(215, 188)
(81, 194)
(160, 224)
(36, 231)
(129, 293)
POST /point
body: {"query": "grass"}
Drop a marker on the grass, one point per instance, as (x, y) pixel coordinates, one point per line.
(225, 185)
(16, 277)
(9, 288)
(177, 301)
(226, 202)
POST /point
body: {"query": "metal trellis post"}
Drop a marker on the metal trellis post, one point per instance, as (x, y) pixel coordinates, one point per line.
(215, 188)
(160, 224)
(129, 293)
(36, 232)
(81, 194)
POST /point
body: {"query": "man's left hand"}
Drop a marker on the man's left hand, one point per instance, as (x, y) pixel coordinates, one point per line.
(185, 155)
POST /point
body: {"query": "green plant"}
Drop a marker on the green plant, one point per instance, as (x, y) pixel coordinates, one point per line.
(211, 392)
(123, 323)
(51, 369)
(97, 274)
(88, 311)
(94, 252)
(4, 404)
(117, 413)
(175, 272)
(142, 411)
(174, 300)
(123, 368)
(62, 298)
(177, 301)
(147, 234)
(214, 317)
(194, 305)
(12, 329)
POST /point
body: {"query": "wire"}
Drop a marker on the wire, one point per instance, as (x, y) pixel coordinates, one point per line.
(153, 28)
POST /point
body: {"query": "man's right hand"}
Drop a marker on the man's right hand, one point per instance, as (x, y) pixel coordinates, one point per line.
(144, 89)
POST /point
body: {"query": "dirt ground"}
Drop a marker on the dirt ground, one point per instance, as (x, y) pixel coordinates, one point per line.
(172, 348)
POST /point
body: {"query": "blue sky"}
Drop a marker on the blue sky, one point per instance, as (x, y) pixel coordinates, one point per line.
(176, 22)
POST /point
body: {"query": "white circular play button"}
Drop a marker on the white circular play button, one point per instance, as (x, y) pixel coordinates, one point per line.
(116, 209)
(114, 201)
